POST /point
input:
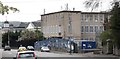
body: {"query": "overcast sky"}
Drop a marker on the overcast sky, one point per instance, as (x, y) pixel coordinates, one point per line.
(30, 10)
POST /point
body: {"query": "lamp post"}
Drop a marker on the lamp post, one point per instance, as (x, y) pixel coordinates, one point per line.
(8, 38)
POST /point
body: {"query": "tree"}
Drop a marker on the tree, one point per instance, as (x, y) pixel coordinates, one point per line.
(30, 35)
(4, 39)
(39, 35)
(115, 24)
(5, 9)
(94, 4)
(12, 37)
(104, 36)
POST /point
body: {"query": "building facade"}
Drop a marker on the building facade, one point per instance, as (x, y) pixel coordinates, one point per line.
(73, 24)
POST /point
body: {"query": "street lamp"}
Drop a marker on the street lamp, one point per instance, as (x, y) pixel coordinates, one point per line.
(8, 38)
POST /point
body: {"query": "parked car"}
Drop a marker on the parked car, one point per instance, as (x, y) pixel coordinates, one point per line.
(44, 49)
(22, 49)
(25, 55)
(30, 48)
(7, 48)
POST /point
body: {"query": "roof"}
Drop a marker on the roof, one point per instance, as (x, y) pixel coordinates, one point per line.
(6, 21)
(25, 51)
(37, 24)
(11, 24)
(94, 12)
(23, 24)
(16, 24)
(102, 12)
(61, 12)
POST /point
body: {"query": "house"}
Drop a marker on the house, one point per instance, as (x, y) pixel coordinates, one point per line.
(34, 26)
(13, 26)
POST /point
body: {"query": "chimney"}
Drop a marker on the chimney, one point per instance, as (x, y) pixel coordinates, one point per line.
(73, 9)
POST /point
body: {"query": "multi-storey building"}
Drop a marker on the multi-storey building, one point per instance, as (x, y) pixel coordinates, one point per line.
(73, 24)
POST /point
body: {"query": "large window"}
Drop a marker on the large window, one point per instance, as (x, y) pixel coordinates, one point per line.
(101, 17)
(101, 28)
(86, 28)
(82, 29)
(91, 17)
(91, 28)
(96, 28)
(86, 17)
(82, 17)
(70, 25)
(96, 18)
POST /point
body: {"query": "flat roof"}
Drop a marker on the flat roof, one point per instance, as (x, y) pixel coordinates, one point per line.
(76, 12)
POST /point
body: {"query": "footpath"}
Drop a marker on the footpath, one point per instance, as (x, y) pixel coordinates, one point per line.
(90, 54)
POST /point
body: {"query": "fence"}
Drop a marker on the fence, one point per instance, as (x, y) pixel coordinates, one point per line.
(64, 45)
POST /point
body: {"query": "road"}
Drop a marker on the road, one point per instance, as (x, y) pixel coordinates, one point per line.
(52, 55)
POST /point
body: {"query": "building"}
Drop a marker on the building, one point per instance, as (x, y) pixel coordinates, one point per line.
(73, 24)
(13, 26)
(34, 26)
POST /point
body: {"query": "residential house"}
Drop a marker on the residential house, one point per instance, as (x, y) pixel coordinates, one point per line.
(34, 26)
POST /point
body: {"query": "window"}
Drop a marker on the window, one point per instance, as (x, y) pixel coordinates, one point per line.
(82, 17)
(86, 28)
(70, 24)
(96, 18)
(101, 17)
(25, 55)
(96, 28)
(82, 29)
(86, 18)
(101, 28)
(91, 28)
(91, 17)
(69, 28)
(62, 17)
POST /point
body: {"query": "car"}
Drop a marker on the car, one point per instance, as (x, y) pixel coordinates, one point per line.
(7, 48)
(25, 55)
(44, 49)
(30, 48)
(22, 49)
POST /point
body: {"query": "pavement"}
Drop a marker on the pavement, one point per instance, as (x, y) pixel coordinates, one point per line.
(90, 54)
(1, 53)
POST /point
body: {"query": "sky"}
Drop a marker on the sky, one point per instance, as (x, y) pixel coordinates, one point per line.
(30, 10)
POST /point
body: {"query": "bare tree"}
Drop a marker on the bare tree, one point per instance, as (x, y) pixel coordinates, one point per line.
(94, 4)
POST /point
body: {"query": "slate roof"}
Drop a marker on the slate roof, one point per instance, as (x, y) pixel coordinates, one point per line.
(37, 24)
(16, 24)
(24, 24)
